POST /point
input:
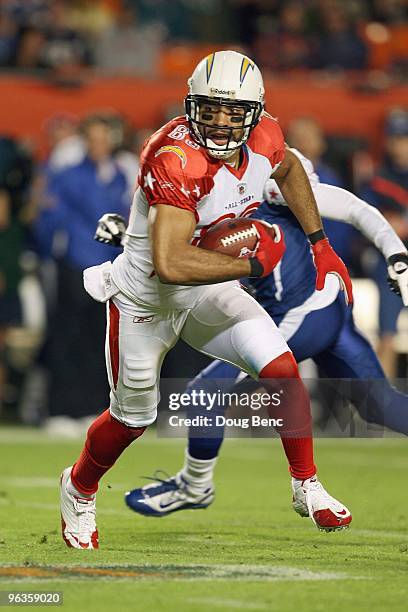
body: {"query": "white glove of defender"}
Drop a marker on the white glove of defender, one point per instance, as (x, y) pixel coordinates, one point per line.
(398, 275)
(111, 229)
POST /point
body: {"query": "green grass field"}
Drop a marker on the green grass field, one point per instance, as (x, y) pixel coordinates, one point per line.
(248, 551)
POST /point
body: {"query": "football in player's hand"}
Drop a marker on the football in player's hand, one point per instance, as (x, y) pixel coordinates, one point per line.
(235, 237)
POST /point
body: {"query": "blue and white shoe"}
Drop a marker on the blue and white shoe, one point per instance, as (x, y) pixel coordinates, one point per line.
(162, 497)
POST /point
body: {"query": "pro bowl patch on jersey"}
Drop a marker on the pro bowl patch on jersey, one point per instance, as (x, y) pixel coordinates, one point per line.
(173, 149)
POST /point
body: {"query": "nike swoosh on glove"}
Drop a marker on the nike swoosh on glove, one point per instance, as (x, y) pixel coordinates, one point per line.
(398, 275)
(327, 262)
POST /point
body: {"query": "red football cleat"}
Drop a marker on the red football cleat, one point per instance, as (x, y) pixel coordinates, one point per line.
(311, 499)
(78, 516)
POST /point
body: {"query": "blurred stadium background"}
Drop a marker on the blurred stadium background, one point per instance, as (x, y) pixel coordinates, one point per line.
(92, 79)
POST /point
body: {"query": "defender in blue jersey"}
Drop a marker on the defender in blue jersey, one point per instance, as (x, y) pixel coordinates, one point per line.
(316, 324)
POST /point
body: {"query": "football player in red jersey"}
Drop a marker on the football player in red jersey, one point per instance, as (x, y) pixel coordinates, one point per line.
(194, 172)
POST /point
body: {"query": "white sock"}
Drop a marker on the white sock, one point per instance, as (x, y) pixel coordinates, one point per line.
(296, 482)
(198, 473)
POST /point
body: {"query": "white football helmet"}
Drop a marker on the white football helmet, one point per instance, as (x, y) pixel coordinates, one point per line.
(230, 79)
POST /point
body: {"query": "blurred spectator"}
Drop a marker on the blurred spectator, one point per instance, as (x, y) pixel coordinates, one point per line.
(176, 16)
(247, 14)
(306, 135)
(29, 49)
(287, 46)
(339, 46)
(91, 17)
(388, 191)
(63, 45)
(8, 38)
(79, 196)
(129, 47)
(66, 148)
(46, 36)
(66, 145)
(213, 22)
(27, 13)
(203, 21)
(126, 151)
(15, 174)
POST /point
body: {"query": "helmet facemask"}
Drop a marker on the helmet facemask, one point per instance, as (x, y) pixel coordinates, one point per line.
(201, 131)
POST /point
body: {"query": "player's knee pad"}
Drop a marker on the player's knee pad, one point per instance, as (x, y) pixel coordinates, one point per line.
(139, 372)
(136, 397)
(284, 366)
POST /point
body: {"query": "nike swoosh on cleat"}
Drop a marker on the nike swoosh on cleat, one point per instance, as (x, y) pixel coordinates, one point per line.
(164, 506)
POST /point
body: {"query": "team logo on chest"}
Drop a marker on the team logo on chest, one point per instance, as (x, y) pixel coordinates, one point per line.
(242, 187)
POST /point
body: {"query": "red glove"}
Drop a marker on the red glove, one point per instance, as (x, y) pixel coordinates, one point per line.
(328, 262)
(269, 250)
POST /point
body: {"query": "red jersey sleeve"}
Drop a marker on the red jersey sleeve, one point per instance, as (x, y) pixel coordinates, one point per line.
(171, 175)
(267, 139)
